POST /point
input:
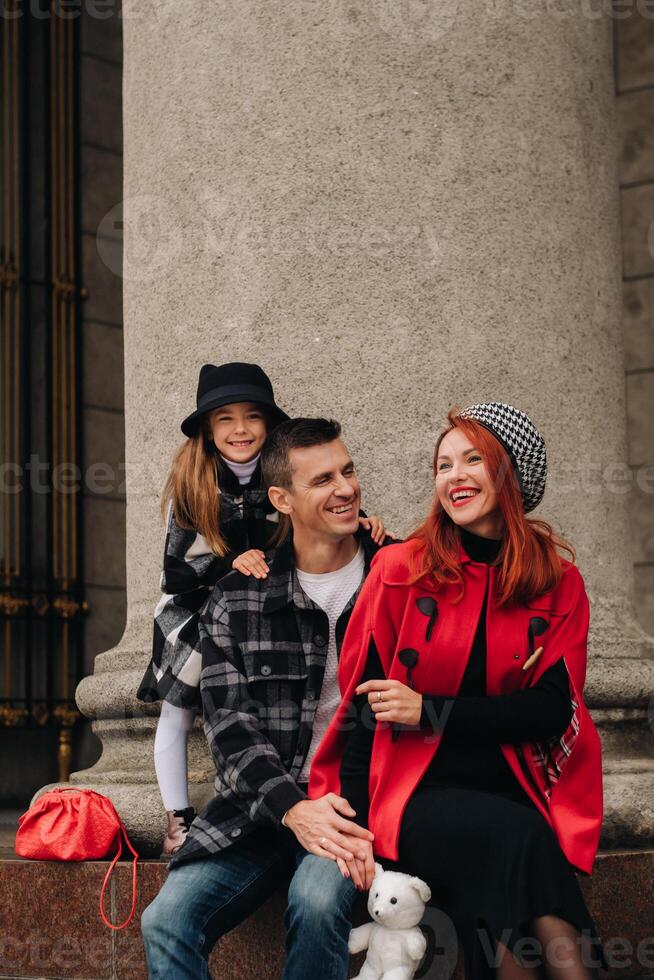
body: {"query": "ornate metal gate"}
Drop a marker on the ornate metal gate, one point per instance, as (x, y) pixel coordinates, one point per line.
(41, 593)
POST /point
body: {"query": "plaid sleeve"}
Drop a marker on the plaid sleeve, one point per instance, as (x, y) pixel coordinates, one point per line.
(190, 570)
(244, 756)
(189, 563)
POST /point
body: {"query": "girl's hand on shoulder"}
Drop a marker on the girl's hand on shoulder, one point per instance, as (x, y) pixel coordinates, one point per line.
(252, 562)
(398, 703)
(376, 527)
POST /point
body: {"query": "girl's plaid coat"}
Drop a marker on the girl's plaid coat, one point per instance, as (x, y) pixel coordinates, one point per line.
(190, 571)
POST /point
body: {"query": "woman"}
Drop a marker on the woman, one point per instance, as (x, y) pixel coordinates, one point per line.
(474, 760)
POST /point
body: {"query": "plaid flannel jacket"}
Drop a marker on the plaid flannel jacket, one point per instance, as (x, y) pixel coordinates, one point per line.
(190, 571)
(264, 645)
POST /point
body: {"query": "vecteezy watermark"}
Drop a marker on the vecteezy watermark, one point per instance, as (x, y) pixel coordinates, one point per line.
(154, 237)
(152, 11)
(41, 953)
(619, 953)
(283, 717)
(590, 477)
(141, 478)
(531, 952)
(561, 10)
(40, 477)
(64, 478)
(417, 21)
(152, 243)
(440, 959)
(442, 954)
(63, 9)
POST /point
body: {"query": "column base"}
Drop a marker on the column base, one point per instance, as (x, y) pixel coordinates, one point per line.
(126, 727)
(628, 769)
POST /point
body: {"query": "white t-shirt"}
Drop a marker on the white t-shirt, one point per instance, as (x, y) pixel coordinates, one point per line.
(331, 591)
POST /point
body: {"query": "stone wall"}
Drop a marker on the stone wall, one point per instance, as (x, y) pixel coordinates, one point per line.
(635, 110)
(101, 165)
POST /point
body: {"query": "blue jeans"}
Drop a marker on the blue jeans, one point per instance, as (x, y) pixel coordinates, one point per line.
(202, 900)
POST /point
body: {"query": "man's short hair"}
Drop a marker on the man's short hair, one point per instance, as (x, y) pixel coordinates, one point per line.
(276, 466)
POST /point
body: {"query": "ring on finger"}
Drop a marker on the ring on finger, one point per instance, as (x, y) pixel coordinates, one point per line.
(322, 841)
(379, 696)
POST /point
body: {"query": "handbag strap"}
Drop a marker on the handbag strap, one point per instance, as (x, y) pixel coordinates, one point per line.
(129, 918)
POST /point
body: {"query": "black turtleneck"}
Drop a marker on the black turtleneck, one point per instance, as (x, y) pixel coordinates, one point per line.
(473, 723)
(480, 549)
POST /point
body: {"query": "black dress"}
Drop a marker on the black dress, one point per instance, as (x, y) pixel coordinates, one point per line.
(470, 831)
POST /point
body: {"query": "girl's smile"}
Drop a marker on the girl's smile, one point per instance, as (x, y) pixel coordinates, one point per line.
(240, 443)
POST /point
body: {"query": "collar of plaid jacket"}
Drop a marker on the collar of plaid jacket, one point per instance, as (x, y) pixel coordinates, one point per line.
(283, 586)
(562, 776)
(229, 483)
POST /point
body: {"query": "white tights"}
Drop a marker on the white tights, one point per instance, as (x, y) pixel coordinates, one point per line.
(170, 760)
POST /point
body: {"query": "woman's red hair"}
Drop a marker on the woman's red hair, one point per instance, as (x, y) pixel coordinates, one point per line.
(529, 559)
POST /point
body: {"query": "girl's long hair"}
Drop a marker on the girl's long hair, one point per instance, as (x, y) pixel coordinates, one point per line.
(530, 563)
(193, 487)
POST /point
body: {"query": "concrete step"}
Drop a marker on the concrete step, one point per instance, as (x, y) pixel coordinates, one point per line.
(51, 927)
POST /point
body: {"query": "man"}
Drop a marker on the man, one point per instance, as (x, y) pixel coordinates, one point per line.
(269, 657)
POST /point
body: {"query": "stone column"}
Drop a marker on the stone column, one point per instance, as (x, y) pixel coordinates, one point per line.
(393, 207)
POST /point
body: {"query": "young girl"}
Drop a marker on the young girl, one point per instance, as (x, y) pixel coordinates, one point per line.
(219, 518)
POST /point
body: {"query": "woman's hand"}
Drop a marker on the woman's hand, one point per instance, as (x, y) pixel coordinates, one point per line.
(324, 827)
(376, 527)
(392, 701)
(360, 871)
(252, 562)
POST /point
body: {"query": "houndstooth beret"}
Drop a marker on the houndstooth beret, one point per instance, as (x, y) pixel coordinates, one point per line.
(522, 441)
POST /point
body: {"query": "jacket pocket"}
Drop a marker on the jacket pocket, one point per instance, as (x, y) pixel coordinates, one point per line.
(274, 665)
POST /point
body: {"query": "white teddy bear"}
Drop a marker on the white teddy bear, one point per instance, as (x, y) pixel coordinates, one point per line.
(395, 944)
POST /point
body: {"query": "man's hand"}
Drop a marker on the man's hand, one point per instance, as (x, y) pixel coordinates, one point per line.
(398, 703)
(361, 871)
(321, 828)
(252, 562)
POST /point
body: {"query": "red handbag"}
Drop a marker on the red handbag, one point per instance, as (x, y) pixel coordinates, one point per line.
(69, 824)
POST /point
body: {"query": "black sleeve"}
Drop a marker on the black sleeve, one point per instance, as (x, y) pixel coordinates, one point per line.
(539, 712)
(355, 764)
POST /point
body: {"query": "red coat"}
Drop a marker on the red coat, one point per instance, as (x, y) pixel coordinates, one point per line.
(562, 776)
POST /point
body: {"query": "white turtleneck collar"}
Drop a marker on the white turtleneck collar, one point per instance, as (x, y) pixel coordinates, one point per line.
(242, 471)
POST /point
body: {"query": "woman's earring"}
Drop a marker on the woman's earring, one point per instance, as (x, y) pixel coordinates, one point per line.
(428, 607)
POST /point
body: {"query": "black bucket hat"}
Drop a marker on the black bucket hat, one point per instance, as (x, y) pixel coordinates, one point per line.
(228, 383)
